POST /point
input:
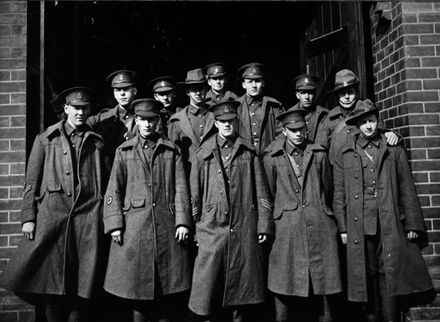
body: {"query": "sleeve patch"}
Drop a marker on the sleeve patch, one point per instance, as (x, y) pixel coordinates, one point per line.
(266, 204)
(109, 200)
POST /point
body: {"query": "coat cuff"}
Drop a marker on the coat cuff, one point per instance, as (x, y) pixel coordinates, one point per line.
(28, 214)
(265, 227)
(183, 219)
(113, 222)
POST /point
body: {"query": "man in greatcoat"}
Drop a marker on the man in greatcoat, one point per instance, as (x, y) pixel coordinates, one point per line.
(335, 132)
(305, 91)
(194, 124)
(116, 125)
(60, 258)
(379, 218)
(147, 213)
(232, 220)
(217, 80)
(164, 90)
(257, 112)
(303, 261)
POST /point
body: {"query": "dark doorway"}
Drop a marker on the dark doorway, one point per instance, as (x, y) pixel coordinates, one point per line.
(85, 41)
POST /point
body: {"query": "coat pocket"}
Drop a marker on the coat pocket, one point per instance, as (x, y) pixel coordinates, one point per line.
(54, 187)
(137, 203)
(278, 211)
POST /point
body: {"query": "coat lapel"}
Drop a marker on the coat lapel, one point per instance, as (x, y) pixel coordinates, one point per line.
(138, 151)
(185, 125)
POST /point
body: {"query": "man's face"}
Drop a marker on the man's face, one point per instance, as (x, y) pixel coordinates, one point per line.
(347, 97)
(368, 125)
(147, 125)
(226, 128)
(217, 83)
(306, 97)
(253, 87)
(196, 93)
(295, 136)
(124, 96)
(166, 98)
(77, 115)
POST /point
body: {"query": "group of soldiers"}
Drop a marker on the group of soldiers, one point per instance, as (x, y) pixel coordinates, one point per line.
(233, 207)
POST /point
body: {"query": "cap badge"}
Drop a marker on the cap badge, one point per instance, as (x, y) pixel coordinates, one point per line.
(345, 83)
(121, 77)
(79, 95)
(226, 109)
(216, 70)
(162, 84)
(306, 80)
(253, 70)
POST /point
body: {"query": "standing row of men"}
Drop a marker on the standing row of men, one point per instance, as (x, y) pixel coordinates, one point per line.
(246, 181)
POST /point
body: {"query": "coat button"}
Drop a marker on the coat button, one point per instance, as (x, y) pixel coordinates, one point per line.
(221, 192)
(356, 197)
(355, 155)
(226, 212)
(356, 241)
(303, 206)
(355, 218)
(67, 172)
(64, 152)
(372, 170)
(296, 190)
(69, 194)
(154, 204)
(356, 176)
(232, 230)
(149, 184)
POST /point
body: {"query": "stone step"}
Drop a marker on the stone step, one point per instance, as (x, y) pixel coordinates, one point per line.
(417, 314)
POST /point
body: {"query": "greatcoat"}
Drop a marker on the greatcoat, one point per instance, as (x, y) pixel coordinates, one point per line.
(181, 133)
(399, 212)
(147, 201)
(305, 247)
(314, 123)
(227, 228)
(66, 255)
(212, 99)
(270, 127)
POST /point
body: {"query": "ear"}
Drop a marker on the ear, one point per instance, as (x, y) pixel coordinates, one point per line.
(243, 85)
(216, 123)
(65, 108)
(155, 96)
(136, 120)
(297, 95)
(284, 131)
(135, 91)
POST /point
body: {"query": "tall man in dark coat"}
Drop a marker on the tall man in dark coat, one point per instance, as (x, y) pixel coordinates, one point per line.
(305, 91)
(232, 219)
(217, 81)
(257, 112)
(147, 212)
(194, 124)
(303, 261)
(164, 90)
(116, 125)
(379, 218)
(60, 257)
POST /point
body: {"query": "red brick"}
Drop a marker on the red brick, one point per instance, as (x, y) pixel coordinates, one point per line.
(18, 98)
(5, 30)
(4, 99)
(431, 212)
(417, 154)
(429, 39)
(8, 316)
(423, 119)
(12, 156)
(5, 75)
(12, 63)
(419, 28)
(432, 107)
(422, 96)
(434, 236)
(434, 176)
(409, 17)
(18, 75)
(18, 6)
(4, 169)
(429, 224)
(420, 177)
(12, 133)
(4, 193)
(431, 84)
(15, 216)
(435, 201)
(433, 130)
(8, 87)
(17, 145)
(14, 19)
(18, 30)
(4, 121)
(436, 224)
(18, 52)
(417, 73)
(18, 121)
(429, 17)
(5, 7)
(416, 6)
(424, 201)
(15, 239)
(7, 229)
(11, 180)
(12, 109)
(430, 61)
(4, 216)
(433, 153)
(427, 189)
(429, 250)
(425, 165)
(17, 168)
(420, 50)
(4, 145)
(411, 40)
(16, 192)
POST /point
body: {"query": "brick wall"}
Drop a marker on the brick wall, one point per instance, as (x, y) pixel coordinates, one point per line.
(12, 142)
(407, 88)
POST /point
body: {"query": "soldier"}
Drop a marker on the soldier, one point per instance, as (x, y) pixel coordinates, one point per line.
(147, 213)
(257, 112)
(60, 260)
(217, 80)
(194, 124)
(305, 91)
(116, 125)
(303, 261)
(334, 128)
(379, 218)
(164, 91)
(232, 219)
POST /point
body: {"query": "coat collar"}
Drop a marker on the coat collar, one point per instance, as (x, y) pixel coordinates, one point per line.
(277, 147)
(58, 129)
(206, 150)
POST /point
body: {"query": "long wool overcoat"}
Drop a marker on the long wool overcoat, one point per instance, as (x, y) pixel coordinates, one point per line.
(314, 123)
(227, 228)
(305, 247)
(270, 127)
(66, 256)
(147, 202)
(399, 212)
